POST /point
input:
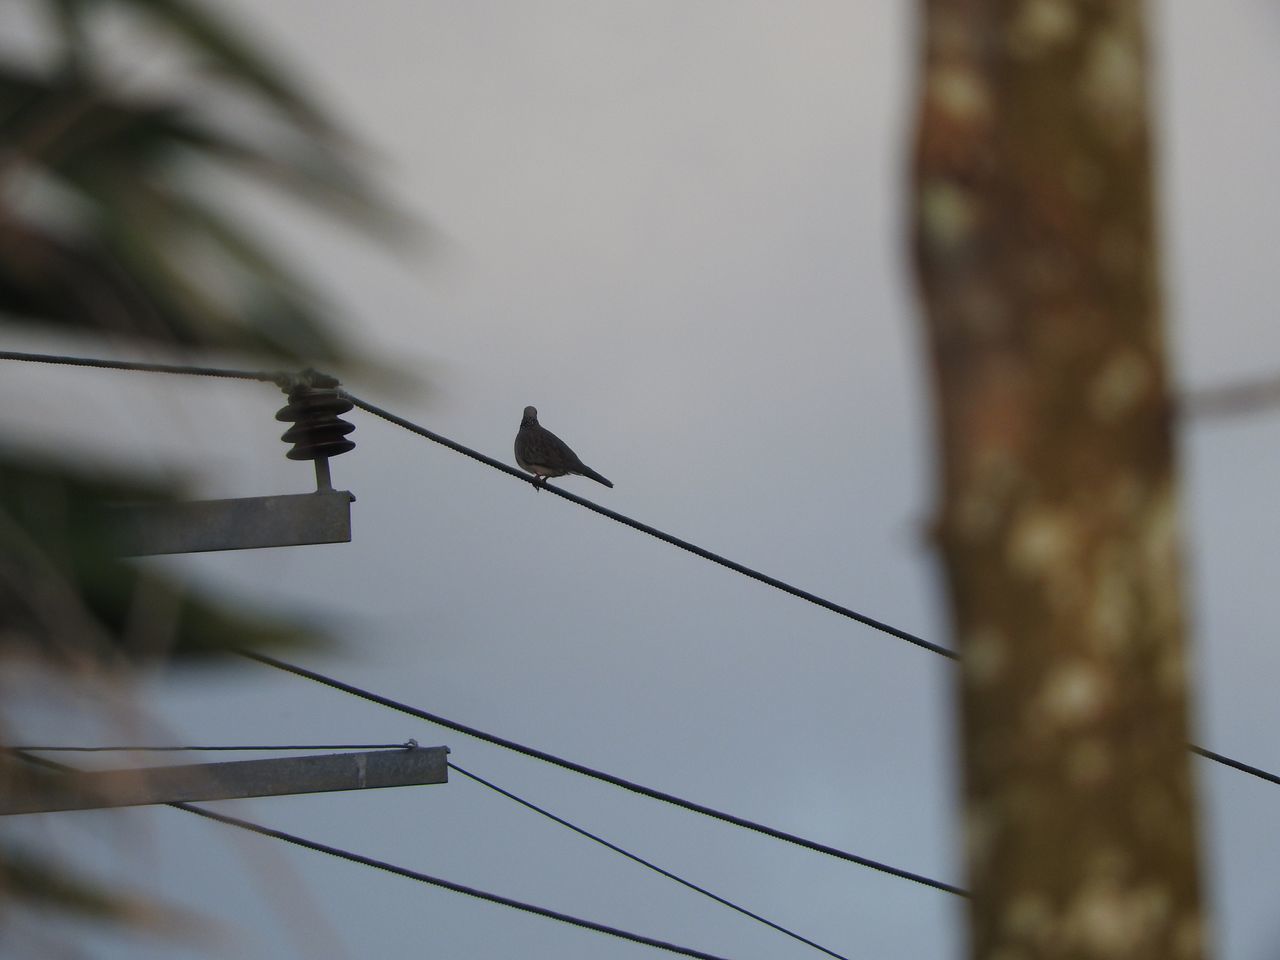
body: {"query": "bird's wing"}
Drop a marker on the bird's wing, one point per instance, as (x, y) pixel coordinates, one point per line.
(549, 445)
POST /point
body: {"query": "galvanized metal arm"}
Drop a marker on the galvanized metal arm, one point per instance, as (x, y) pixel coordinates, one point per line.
(43, 791)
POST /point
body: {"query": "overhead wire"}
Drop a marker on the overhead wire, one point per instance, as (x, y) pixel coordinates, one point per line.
(142, 366)
(674, 541)
(282, 378)
(1242, 767)
(444, 884)
(595, 774)
(400, 871)
(410, 744)
(642, 861)
(24, 751)
(844, 611)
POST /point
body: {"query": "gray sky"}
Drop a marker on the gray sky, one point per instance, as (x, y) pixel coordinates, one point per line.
(676, 228)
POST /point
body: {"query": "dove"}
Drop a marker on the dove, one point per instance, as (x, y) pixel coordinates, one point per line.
(543, 454)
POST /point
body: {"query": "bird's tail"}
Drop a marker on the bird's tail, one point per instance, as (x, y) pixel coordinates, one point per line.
(588, 472)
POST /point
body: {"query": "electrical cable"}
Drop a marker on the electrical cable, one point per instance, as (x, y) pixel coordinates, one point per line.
(700, 551)
(1243, 767)
(599, 774)
(656, 794)
(654, 531)
(409, 744)
(392, 868)
(643, 862)
(445, 884)
(282, 378)
(267, 376)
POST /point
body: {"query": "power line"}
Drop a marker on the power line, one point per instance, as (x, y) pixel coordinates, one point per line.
(699, 551)
(445, 884)
(656, 794)
(643, 862)
(466, 773)
(281, 378)
(654, 531)
(598, 774)
(1243, 767)
(183, 369)
(392, 868)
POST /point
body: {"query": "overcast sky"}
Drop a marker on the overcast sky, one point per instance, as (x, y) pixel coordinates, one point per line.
(677, 228)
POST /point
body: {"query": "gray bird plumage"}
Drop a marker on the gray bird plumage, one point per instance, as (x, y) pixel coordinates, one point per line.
(543, 454)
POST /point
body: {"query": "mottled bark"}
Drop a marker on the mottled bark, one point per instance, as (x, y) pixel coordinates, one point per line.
(1035, 240)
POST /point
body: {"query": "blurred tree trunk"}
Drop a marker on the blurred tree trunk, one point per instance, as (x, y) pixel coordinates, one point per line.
(1035, 240)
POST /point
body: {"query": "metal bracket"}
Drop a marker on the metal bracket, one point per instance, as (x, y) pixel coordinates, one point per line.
(45, 792)
(240, 524)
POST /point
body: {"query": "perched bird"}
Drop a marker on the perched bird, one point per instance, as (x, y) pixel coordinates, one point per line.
(543, 454)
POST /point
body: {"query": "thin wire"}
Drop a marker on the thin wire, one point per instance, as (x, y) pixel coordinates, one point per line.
(407, 745)
(643, 862)
(266, 376)
(653, 531)
(599, 774)
(414, 874)
(445, 884)
(280, 378)
(706, 554)
(1244, 767)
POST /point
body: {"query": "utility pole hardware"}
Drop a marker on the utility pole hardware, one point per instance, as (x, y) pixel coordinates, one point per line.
(317, 433)
(45, 791)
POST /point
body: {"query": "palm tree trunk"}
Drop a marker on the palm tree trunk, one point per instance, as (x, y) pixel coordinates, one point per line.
(1035, 244)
